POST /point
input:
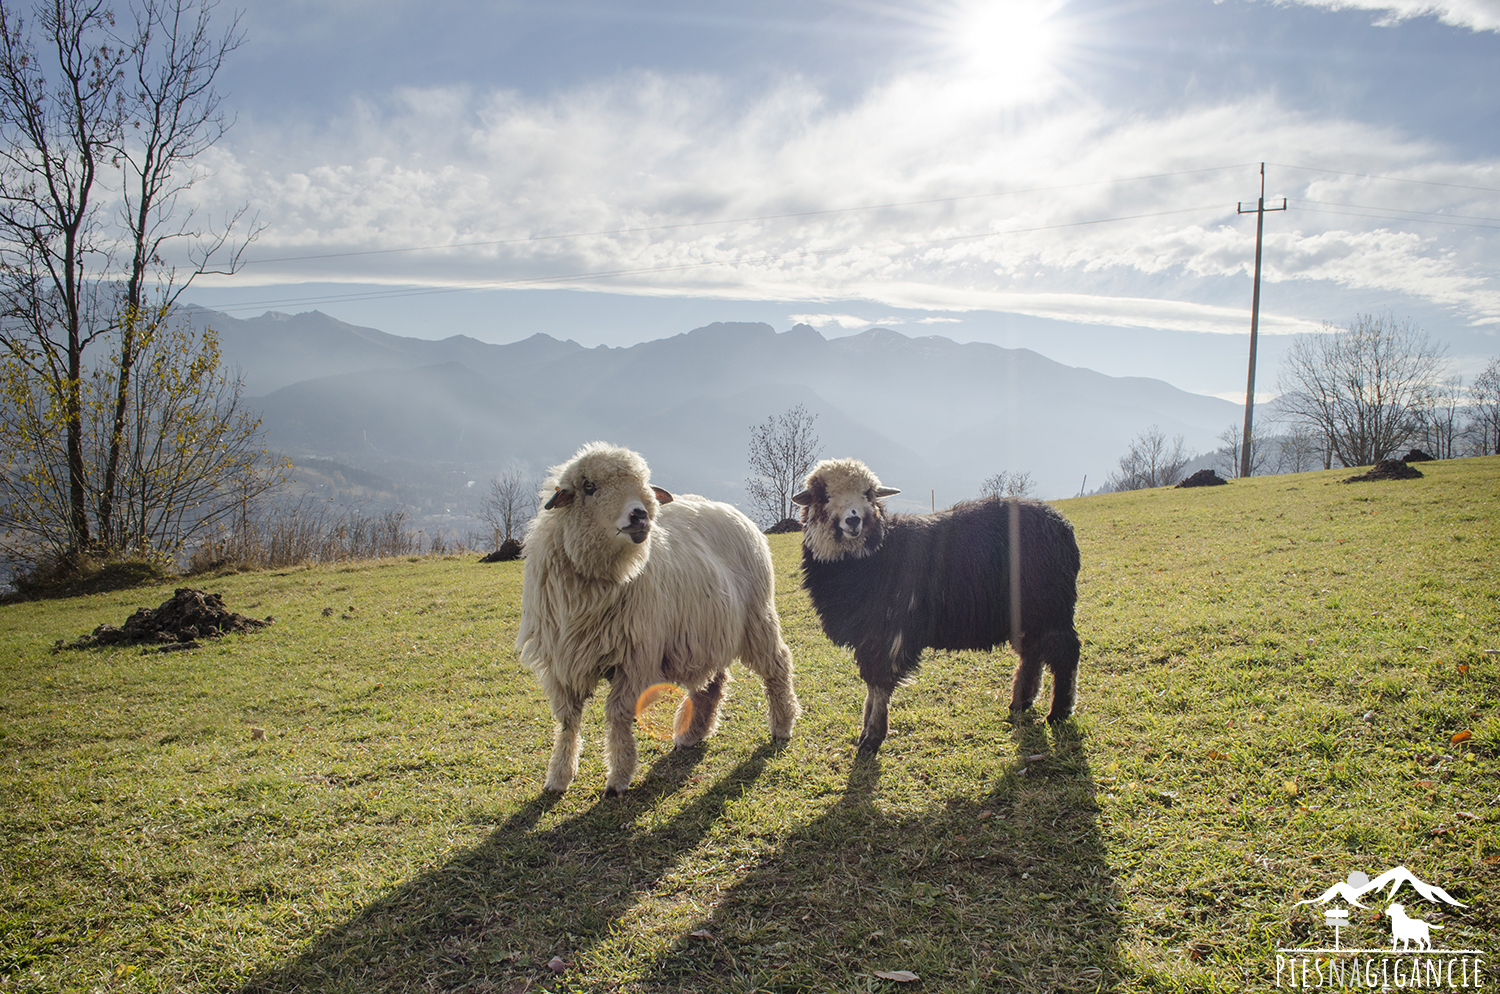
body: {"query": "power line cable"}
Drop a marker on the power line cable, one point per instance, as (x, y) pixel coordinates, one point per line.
(1393, 179)
(1466, 222)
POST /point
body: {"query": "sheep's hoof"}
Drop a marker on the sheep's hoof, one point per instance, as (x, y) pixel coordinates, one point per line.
(1058, 717)
(553, 788)
(869, 743)
(614, 792)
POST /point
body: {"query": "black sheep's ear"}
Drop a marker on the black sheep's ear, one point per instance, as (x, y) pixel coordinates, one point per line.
(662, 497)
(884, 492)
(804, 499)
(560, 498)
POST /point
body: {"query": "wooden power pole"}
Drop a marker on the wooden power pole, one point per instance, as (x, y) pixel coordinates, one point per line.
(1260, 209)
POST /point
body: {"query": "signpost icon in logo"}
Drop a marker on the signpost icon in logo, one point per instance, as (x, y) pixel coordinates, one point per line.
(1410, 960)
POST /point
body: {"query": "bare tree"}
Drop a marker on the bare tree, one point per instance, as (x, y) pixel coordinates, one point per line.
(782, 451)
(1150, 462)
(508, 504)
(1440, 414)
(1361, 387)
(1231, 458)
(89, 111)
(174, 117)
(1296, 450)
(1008, 484)
(1484, 410)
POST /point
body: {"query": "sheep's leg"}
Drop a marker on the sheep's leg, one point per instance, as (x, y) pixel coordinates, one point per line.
(882, 673)
(877, 717)
(1064, 665)
(1028, 680)
(1058, 650)
(704, 705)
(567, 711)
(619, 737)
(768, 657)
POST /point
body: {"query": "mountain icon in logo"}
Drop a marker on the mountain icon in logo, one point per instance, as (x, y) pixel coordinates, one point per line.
(1360, 884)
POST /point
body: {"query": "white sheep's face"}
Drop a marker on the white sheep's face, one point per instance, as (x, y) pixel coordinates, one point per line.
(841, 510)
(607, 508)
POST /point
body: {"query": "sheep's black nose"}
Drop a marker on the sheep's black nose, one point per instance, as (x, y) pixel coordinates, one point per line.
(638, 515)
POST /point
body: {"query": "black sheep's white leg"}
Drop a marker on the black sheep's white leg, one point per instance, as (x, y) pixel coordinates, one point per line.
(883, 671)
(567, 711)
(877, 718)
(619, 737)
(705, 705)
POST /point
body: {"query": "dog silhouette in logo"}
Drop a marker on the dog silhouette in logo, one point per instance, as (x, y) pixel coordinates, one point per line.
(1408, 930)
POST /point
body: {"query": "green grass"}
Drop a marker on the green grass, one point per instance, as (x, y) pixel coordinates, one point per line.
(1273, 673)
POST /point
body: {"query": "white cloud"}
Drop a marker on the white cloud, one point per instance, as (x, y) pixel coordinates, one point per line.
(634, 168)
(1477, 15)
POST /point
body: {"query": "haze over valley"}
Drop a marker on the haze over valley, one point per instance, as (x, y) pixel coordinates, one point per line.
(379, 419)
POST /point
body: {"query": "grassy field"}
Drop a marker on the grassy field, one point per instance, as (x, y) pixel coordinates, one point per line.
(1274, 674)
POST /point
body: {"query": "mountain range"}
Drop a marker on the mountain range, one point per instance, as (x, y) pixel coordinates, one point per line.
(931, 416)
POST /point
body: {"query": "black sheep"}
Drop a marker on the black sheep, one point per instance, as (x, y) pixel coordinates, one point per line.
(889, 586)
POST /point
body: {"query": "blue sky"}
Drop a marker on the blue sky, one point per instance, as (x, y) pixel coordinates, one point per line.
(1055, 174)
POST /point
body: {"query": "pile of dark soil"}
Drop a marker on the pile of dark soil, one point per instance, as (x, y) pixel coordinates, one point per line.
(1416, 455)
(1204, 478)
(509, 550)
(1387, 469)
(784, 526)
(178, 624)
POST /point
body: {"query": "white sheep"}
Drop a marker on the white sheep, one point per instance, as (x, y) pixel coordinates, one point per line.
(628, 584)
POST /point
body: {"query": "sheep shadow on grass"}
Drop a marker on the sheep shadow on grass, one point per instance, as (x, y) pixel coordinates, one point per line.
(1010, 890)
(497, 911)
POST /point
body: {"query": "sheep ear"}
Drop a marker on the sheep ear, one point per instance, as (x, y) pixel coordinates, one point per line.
(662, 497)
(804, 499)
(886, 491)
(560, 498)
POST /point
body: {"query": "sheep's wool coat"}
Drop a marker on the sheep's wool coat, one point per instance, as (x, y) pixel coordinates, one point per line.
(675, 607)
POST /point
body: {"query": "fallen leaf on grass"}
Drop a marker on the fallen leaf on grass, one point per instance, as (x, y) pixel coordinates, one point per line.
(1462, 736)
(899, 976)
(1216, 754)
(702, 933)
(556, 964)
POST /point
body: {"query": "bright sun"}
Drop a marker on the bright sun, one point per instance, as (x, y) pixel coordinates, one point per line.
(1007, 43)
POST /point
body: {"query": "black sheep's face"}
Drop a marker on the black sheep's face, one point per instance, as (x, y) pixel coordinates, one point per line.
(607, 509)
(842, 510)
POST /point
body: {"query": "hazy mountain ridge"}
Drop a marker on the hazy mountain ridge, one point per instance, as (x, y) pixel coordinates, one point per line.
(932, 416)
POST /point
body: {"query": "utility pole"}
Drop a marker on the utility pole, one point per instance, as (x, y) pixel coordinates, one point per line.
(1260, 209)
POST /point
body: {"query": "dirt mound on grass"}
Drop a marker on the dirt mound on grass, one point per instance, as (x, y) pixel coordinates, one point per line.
(1387, 469)
(1204, 478)
(785, 526)
(509, 551)
(177, 624)
(1416, 455)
